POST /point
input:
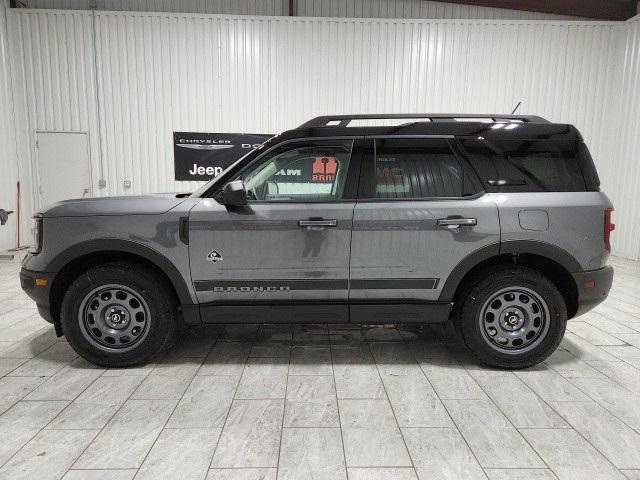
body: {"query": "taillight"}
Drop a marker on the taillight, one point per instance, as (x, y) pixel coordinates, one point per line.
(608, 227)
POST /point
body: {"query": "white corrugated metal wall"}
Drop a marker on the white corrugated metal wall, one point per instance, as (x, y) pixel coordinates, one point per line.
(305, 8)
(412, 9)
(53, 75)
(156, 73)
(229, 7)
(8, 161)
(622, 168)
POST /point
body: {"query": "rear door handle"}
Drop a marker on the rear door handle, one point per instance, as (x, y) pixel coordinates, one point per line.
(317, 223)
(457, 222)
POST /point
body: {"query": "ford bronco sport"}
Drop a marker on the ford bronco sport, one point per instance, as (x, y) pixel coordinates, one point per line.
(495, 222)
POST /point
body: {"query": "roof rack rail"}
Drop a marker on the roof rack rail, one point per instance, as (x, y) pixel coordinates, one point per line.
(344, 120)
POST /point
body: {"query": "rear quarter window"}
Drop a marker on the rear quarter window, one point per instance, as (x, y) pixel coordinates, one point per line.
(527, 165)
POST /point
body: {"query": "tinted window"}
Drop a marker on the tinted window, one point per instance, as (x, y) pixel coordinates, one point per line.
(305, 171)
(418, 168)
(482, 158)
(527, 165)
(588, 168)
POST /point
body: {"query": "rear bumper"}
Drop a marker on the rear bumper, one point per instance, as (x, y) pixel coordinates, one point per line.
(593, 287)
(38, 293)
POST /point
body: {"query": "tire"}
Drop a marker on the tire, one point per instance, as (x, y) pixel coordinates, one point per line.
(119, 315)
(510, 316)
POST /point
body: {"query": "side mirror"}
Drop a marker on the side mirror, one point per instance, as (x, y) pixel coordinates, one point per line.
(234, 194)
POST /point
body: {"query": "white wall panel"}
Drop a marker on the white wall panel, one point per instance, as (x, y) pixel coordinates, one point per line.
(230, 7)
(53, 78)
(622, 167)
(268, 74)
(306, 8)
(412, 9)
(8, 161)
(160, 72)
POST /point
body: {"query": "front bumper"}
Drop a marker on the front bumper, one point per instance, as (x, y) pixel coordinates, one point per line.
(593, 287)
(39, 292)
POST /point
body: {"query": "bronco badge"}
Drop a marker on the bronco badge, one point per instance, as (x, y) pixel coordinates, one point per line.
(214, 257)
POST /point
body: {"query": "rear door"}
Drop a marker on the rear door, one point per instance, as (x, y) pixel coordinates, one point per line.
(421, 210)
(285, 256)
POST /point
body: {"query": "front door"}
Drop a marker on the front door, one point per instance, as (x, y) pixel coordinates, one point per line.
(420, 212)
(285, 256)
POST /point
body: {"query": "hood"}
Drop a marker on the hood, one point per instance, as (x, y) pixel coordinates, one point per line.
(128, 205)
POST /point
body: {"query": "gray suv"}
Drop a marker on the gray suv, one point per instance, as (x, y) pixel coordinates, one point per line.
(495, 222)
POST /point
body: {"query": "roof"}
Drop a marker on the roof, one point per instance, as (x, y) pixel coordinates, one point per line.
(488, 126)
(344, 120)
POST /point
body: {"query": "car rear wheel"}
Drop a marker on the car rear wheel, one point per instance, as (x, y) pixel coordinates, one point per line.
(511, 317)
(119, 315)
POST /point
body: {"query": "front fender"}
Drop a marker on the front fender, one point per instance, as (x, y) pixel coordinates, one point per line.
(82, 249)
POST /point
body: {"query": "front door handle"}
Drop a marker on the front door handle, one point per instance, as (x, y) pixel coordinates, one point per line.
(453, 223)
(317, 223)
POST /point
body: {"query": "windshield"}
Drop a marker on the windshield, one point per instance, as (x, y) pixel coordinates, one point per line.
(211, 183)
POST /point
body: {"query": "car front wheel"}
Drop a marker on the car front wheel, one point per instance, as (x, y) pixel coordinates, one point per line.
(118, 315)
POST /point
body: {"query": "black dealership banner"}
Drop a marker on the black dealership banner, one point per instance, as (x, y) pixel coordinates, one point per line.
(201, 156)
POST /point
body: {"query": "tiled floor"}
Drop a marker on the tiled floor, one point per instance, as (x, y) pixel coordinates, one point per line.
(318, 402)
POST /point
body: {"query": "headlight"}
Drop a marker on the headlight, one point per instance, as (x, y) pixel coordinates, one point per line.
(36, 229)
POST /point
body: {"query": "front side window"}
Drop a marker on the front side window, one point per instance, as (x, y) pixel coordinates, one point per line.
(418, 168)
(306, 171)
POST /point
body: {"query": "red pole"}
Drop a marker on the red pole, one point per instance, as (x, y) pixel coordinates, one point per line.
(18, 213)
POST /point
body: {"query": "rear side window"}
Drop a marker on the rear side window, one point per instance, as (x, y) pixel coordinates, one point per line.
(528, 165)
(419, 168)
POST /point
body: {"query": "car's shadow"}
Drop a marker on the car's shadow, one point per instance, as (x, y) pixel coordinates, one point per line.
(221, 349)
